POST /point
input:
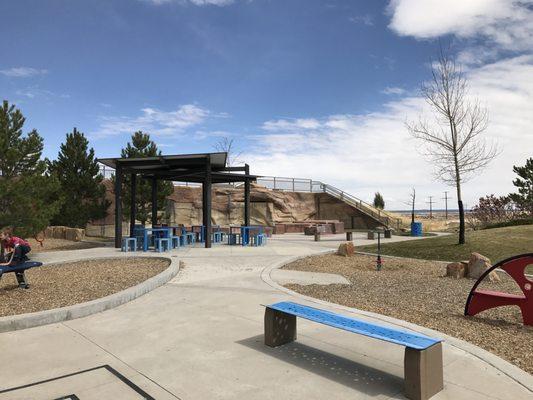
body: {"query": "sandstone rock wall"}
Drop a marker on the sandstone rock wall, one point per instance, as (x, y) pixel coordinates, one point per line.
(268, 207)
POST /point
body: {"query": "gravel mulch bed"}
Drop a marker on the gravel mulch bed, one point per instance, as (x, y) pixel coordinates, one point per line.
(60, 285)
(417, 291)
(60, 244)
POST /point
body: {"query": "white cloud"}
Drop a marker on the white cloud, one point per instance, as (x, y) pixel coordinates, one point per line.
(393, 90)
(154, 121)
(35, 91)
(507, 23)
(22, 72)
(363, 153)
(195, 2)
(366, 19)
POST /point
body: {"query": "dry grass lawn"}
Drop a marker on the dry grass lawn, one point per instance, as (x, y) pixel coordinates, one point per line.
(417, 291)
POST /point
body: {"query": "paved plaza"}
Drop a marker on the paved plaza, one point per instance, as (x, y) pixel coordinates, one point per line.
(200, 336)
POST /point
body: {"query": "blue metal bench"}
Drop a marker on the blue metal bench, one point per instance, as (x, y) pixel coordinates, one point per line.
(19, 270)
(423, 368)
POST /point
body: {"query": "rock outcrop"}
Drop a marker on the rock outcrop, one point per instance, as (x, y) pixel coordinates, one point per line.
(478, 264)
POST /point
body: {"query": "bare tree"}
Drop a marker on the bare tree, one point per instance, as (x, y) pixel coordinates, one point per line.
(411, 203)
(227, 145)
(454, 140)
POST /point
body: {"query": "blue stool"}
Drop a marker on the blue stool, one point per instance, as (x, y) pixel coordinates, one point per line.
(127, 241)
(217, 237)
(259, 240)
(190, 237)
(159, 244)
(176, 242)
(234, 238)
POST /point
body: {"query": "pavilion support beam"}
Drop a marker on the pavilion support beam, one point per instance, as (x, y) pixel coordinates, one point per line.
(154, 201)
(207, 200)
(247, 196)
(133, 206)
(118, 206)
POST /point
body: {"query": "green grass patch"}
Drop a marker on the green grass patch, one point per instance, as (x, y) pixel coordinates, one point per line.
(497, 244)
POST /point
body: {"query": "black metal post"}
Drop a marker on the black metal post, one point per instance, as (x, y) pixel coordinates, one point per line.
(247, 196)
(154, 201)
(206, 199)
(118, 206)
(378, 261)
(133, 207)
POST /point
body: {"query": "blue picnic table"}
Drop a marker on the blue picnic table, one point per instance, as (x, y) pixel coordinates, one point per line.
(166, 233)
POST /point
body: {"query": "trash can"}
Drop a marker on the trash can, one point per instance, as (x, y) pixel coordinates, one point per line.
(416, 229)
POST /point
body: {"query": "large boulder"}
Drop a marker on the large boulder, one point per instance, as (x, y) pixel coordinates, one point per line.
(478, 264)
(74, 234)
(456, 270)
(346, 249)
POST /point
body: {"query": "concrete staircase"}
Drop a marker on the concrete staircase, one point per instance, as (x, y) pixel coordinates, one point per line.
(310, 186)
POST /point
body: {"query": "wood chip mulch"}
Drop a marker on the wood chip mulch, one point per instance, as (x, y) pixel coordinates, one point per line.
(60, 285)
(50, 244)
(417, 291)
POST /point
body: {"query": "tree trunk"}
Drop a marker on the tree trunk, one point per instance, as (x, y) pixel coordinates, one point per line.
(461, 222)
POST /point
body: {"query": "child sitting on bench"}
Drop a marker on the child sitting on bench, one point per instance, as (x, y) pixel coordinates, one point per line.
(19, 248)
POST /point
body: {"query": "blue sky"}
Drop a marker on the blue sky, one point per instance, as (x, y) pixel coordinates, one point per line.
(291, 81)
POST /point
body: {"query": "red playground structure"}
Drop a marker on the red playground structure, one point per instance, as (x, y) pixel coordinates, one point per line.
(481, 300)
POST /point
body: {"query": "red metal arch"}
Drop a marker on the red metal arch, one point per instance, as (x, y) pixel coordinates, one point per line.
(481, 300)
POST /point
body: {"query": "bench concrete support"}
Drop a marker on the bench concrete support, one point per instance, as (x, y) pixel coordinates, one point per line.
(280, 328)
(349, 236)
(21, 280)
(423, 372)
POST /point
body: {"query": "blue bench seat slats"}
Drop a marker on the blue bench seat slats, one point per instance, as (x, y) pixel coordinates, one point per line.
(19, 267)
(401, 337)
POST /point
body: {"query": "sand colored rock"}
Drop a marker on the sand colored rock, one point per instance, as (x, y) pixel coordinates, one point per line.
(456, 270)
(346, 249)
(64, 232)
(268, 208)
(478, 264)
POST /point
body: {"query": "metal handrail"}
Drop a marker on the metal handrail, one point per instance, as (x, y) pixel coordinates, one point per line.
(309, 185)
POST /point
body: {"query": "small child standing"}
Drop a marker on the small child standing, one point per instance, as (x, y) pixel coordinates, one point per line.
(18, 247)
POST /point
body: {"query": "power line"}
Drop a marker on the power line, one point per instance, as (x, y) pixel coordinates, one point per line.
(446, 198)
(430, 202)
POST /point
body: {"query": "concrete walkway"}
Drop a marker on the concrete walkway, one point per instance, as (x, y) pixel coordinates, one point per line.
(200, 337)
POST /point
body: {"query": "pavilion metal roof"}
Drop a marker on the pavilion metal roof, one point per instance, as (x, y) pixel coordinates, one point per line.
(181, 167)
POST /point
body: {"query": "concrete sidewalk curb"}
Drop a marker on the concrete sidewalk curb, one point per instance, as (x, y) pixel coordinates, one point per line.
(23, 321)
(512, 371)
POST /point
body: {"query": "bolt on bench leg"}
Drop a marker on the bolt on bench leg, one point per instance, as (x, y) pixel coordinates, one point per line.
(280, 327)
(423, 372)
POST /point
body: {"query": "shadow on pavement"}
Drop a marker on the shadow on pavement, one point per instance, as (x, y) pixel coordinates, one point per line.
(346, 372)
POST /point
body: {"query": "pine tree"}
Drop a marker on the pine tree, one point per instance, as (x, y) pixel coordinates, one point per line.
(81, 182)
(524, 183)
(378, 201)
(142, 146)
(29, 198)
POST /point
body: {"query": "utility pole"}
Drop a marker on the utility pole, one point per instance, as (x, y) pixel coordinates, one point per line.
(430, 202)
(446, 198)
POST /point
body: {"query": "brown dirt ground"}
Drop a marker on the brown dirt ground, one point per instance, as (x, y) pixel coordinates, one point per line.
(60, 285)
(417, 291)
(60, 244)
